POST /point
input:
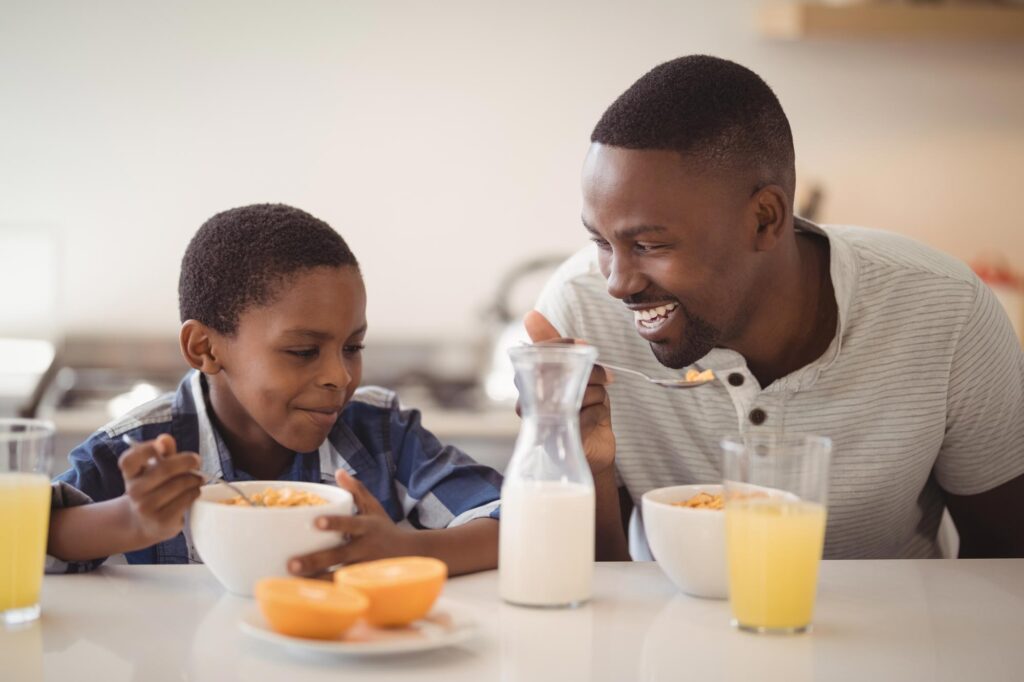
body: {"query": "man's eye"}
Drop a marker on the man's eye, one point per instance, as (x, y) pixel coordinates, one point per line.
(647, 248)
(354, 349)
(601, 243)
(305, 352)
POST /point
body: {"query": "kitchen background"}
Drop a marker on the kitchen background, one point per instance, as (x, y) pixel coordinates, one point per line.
(444, 141)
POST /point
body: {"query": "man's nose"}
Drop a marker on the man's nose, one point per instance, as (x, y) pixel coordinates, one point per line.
(624, 280)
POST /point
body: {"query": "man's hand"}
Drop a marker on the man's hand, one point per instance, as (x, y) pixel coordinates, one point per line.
(595, 414)
(371, 534)
(598, 445)
(159, 487)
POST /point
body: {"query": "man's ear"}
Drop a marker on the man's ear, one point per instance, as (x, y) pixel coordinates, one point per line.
(198, 346)
(771, 212)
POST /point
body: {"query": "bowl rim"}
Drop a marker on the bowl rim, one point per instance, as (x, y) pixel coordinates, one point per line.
(302, 485)
(694, 487)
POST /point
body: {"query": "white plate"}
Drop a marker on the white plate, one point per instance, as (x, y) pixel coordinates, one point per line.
(446, 625)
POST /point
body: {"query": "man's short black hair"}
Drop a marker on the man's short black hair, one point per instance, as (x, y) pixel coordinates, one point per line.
(711, 110)
(239, 257)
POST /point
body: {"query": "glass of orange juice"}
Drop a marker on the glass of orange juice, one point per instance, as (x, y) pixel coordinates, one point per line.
(25, 449)
(776, 490)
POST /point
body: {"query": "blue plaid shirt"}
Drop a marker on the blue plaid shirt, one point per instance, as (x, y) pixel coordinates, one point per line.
(419, 481)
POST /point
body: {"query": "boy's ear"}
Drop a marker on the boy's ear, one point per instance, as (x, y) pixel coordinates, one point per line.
(197, 347)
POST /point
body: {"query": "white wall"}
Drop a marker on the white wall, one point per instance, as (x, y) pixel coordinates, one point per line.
(443, 139)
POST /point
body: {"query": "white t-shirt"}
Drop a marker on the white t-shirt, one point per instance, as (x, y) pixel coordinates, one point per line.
(922, 387)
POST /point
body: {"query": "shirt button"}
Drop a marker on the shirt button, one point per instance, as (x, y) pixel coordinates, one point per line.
(735, 379)
(757, 416)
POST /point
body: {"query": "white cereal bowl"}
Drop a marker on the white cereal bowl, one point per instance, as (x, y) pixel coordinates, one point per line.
(242, 544)
(688, 544)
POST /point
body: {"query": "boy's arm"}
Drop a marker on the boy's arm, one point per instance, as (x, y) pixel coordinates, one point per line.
(372, 534)
(158, 488)
(92, 531)
(451, 501)
(468, 548)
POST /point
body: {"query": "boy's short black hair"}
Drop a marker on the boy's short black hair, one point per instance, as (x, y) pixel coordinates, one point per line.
(238, 258)
(709, 109)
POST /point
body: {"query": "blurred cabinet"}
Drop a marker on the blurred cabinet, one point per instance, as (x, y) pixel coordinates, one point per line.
(891, 20)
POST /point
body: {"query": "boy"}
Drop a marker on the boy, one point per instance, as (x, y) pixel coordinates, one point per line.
(273, 312)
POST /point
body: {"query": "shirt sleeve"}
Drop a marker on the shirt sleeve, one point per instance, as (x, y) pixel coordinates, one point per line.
(440, 486)
(559, 300)
(93, 477)
(984, 442)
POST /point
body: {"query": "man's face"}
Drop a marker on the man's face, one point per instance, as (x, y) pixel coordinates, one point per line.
(293, 364)
(674, 245)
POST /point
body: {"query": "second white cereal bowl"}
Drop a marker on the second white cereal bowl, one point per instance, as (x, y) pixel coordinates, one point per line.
(241, 544)
(688, 544)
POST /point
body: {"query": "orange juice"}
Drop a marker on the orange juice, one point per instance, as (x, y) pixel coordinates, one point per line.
(774, 548)
(24, 520)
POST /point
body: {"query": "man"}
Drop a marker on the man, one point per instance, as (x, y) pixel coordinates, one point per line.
(896, 352)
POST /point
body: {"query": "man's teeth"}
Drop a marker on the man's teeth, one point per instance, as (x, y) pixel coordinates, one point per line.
(651, 317)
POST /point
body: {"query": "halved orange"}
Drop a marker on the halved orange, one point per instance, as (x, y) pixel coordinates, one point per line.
(401, 590)
(302, 607)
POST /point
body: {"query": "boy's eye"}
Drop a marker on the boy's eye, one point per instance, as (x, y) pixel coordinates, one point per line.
(647, 248)
(354, 349)
(304, 352)
(601, 243)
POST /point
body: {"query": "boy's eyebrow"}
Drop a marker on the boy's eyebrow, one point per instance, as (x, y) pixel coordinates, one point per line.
(299, 331)
(319, 335)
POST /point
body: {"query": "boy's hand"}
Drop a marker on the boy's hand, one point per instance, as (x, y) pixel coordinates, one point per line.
(372, 534)
(596, 411)
(159, 487)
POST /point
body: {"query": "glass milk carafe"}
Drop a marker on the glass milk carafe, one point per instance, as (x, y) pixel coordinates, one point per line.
(546, 548)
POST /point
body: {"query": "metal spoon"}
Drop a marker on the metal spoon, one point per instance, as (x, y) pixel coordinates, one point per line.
(208, 479)
(666, 383)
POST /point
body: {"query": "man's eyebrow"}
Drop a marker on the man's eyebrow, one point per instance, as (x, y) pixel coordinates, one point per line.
(629, 232)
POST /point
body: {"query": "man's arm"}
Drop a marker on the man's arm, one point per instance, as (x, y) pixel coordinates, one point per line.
(611, 543)
(980, 466)
(990, 524)
(598, 446)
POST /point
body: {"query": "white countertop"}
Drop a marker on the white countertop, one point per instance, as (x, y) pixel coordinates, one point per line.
(876, 620)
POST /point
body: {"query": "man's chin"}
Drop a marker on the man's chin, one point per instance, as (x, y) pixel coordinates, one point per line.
(676, 357)
(685, 344)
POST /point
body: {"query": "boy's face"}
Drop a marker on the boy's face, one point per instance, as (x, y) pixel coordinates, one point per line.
(293, 364)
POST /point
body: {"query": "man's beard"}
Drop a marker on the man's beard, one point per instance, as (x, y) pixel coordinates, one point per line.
(699, 337)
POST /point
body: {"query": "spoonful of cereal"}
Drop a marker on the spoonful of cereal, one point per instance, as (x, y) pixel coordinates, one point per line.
(692, 380)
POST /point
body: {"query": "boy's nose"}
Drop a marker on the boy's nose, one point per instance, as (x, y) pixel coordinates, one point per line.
(336, 375)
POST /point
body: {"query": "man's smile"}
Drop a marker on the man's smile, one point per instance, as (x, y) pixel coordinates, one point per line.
(650, 319)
